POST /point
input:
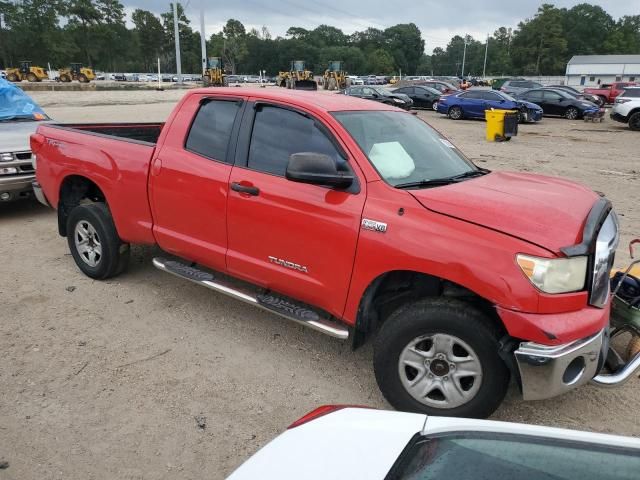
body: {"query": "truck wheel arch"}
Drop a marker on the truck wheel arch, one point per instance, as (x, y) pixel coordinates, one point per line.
(74, 190)
(387, 292)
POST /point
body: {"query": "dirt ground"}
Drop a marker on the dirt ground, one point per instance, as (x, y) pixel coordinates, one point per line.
(103, 380)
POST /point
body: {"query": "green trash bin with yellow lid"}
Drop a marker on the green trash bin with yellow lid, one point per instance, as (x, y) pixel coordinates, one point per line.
(501, 124)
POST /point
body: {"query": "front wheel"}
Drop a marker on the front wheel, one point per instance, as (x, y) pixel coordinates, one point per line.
(455, 113)
(440, 357)
(94, 242)
(634, 122)
(434, 106)
(571, 113)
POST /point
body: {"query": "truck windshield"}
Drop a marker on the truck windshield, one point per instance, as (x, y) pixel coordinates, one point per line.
(513, 457)
(404, 150)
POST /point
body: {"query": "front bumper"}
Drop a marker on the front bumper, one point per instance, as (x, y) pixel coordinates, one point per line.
(37, 190)
(618, 117)
(16, 185)
(547, 371)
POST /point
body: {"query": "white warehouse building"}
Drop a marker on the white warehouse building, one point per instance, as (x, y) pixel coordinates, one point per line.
(594, 70)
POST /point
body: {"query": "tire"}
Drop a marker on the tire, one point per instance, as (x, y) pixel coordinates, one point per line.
(65, 78)
(31, 77)
(466, 333)
(434, 106)
(603, 101)
(456, 113)
(634, 122)
(94, 222)
(82, 78)
(12, 77)
(571, 113)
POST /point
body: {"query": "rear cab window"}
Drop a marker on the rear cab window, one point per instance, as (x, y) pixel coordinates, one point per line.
(210, 132)
(496, 456)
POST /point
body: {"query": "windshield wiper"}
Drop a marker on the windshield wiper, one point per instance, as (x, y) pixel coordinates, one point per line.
(470, 174)
(437, 182)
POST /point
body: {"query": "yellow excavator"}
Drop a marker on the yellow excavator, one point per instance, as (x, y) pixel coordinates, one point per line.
(298, 77)
(214, 75)
(76, 72)
(335, 78)
(26, 72)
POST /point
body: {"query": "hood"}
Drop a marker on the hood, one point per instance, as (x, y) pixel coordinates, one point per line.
(530, 105)
(14, 136)
(337, 445)
(546, 211)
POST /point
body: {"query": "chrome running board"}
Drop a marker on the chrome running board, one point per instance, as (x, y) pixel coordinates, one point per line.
(269, 301)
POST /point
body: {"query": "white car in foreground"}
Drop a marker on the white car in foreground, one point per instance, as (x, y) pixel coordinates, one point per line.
(336, 442)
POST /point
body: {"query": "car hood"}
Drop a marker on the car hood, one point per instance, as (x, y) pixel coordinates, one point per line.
(546, 211)
(14, 136)
(530, 105)
(355, 444)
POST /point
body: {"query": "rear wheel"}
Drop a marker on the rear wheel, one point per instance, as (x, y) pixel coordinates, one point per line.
(571, 113)
(634, 122)
(31, 77)
(65, 78)
(94, 242)
(455, 113)
(440, 357)
(603, 100)
(12, 77)
(82, 78)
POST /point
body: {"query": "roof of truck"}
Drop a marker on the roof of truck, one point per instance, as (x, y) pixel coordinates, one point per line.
(328, 101)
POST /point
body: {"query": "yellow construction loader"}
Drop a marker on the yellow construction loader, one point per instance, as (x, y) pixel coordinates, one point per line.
(298, 77)
(335, 78)
(26, 72)
(76, 72)
(214, 75)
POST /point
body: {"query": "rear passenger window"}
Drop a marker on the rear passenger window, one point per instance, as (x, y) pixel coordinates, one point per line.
(278, 133)
(632, 92)
(211, 130)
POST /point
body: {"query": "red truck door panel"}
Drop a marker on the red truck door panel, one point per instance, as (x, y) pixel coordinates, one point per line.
(295, 238)
(188, 180)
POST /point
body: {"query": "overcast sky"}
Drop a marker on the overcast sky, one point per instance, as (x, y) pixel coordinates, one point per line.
(437, 19)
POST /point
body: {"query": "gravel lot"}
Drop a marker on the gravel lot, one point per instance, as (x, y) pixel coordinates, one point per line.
(102, 380)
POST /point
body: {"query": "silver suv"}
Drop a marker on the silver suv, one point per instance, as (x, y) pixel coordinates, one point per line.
(515, 87)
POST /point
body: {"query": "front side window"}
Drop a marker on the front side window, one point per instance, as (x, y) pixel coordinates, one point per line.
(211, 130)
(534, 96)
(270, 154)
(403, 148)
(513, 457)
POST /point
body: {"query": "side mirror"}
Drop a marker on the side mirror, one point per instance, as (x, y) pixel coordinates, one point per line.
(316, 169)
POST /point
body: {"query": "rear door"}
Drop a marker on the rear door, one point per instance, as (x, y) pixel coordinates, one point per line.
(294, 238)
(188, 181)
(473, 104)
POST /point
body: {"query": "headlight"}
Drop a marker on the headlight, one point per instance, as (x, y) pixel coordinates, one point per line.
(554, 275)
(6, 157)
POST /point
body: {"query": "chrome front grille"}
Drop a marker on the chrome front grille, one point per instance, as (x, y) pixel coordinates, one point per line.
(603, 257)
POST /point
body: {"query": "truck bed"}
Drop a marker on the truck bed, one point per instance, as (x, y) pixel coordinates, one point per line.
(135, 132)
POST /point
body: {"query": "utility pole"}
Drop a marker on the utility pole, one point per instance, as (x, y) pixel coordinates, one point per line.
(203, 40)
(486, 51)
(176, 33)
(464, 55)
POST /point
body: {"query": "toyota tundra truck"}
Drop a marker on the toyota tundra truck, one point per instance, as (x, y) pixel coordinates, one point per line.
(609, 93)
(359, 220)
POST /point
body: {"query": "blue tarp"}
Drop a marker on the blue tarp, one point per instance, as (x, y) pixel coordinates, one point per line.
(15, 103)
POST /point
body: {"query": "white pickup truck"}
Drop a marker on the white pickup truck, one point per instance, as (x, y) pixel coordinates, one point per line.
(19, 118)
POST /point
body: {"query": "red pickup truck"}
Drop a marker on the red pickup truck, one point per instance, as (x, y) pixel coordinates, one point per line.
(356, 219)
(608, 93)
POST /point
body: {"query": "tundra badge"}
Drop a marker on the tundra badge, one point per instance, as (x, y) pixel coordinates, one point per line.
(288, 264)
(374, 225)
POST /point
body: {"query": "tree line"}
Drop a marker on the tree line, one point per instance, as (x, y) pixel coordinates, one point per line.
(95, 33)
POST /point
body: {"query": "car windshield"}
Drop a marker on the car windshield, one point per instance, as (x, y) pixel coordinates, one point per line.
(431, 90)
(509, 457)
(403, 148)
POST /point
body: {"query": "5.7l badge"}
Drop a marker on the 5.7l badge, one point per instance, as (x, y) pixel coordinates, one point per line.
(374, 225)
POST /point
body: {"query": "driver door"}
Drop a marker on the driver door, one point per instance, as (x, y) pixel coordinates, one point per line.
(297, 239)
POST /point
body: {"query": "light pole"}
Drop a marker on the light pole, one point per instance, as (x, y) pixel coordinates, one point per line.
(486, 51)
(203, 39)
(176, 34)
(464, 55)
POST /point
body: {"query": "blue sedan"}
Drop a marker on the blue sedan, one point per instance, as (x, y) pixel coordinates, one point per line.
(473, 103)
